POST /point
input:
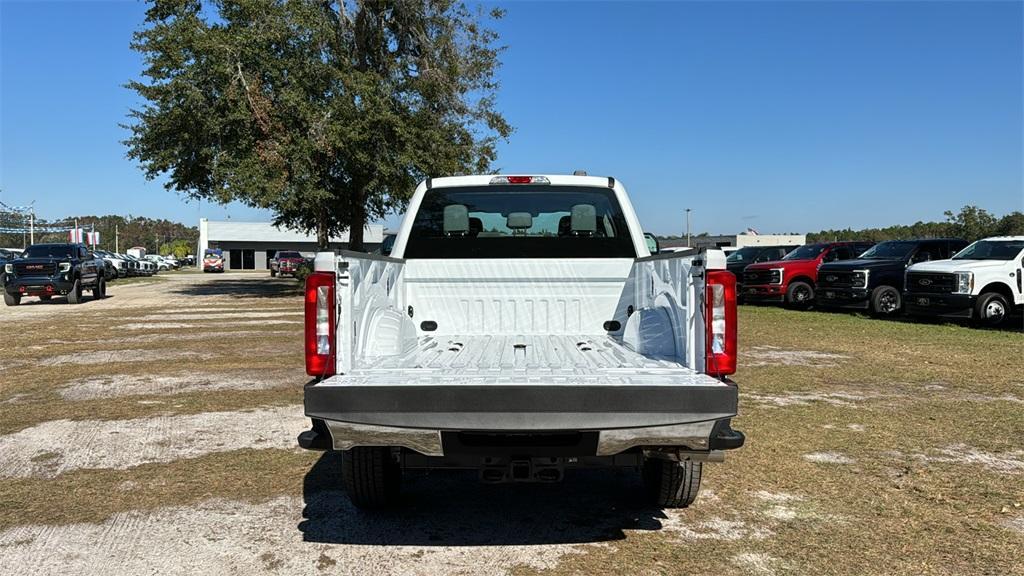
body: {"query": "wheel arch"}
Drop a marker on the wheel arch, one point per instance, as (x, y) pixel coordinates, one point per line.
(1000, 288)
(801, 278)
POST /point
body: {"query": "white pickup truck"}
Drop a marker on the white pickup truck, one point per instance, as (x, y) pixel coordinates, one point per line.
(982, 281)
(520, 327)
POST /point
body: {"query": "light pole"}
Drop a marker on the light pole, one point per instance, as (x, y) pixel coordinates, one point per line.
(687, 227)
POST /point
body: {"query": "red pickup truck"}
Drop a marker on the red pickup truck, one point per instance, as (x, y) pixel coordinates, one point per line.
(793, 279)
(286, 262)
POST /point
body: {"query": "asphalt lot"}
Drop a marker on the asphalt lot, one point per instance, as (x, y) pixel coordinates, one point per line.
(153, 432)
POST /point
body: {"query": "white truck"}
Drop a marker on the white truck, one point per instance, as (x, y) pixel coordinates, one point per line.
(520, 328)
(983, 281)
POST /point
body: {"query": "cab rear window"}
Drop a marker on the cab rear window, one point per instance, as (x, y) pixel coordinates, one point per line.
(520, 221)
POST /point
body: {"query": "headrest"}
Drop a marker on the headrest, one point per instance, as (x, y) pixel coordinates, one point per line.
(565, 225)
(519, 220)
(456, 219)
(476, 225)
(584, 218)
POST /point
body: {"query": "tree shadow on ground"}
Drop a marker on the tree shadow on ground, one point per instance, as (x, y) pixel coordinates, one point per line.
(452, 508)
(257, 287)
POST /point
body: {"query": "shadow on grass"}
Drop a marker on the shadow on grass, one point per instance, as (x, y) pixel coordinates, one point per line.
(452, 508)
(256, 287)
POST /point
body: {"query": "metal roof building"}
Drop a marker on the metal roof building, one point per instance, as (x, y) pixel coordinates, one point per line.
(250, 245)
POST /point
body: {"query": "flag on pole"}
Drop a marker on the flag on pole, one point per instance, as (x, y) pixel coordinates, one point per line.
(92, 238)
(75, 235)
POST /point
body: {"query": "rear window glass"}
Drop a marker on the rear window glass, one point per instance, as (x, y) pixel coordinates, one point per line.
(807, 252)
(289, 255)
(520, 221)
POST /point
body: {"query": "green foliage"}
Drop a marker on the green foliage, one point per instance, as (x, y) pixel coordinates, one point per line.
(303, 270)
(970, 223)
(130, 231)
(326, 112)
(179, 248)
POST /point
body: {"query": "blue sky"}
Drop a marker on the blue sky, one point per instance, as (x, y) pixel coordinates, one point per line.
(780, 116)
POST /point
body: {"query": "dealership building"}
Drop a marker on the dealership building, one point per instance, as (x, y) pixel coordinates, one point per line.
(251, 245)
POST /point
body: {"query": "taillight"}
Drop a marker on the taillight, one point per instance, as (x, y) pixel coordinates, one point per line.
(320, 324)
(720, 323)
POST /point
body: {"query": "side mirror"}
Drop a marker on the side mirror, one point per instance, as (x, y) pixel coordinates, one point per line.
(652, 243)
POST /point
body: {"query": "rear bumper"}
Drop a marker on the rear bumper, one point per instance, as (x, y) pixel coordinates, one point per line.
(832, 297)
(945, 305)
(763, 292)
(427, 419)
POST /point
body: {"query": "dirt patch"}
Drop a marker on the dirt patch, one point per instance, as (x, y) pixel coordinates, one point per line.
(774, 356)
(110, 356)
(221, 324)
(678, 524)
(806, 398)
(136, 385)
(828, 458)
(245, 314)
(123, 444)
(757, 563)
(1006, 463)
(224, 536)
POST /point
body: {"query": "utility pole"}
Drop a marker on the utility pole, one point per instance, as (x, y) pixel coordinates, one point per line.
(687, 227)
(77, 238)
(116, 247)
(32, 227)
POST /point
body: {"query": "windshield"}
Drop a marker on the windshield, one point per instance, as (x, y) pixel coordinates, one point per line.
(807, 252)
(991, 250)
(289, 255)
(744, 254)
(893, 250)
(50, 251)
(520, 221)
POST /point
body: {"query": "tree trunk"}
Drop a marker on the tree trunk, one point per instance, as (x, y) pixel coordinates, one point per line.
(322, 238)
(357, 221)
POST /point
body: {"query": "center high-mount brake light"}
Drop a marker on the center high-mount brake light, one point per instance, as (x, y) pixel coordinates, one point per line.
(520, 180)
(320, 324)
(720, 323)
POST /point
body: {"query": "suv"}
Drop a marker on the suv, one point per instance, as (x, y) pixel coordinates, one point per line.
(982, 281)
(740, 259)
(45, 270)
(792, 279)
(874, 281)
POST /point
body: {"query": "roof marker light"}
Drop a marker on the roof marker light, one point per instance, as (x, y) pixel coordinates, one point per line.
(498, 180)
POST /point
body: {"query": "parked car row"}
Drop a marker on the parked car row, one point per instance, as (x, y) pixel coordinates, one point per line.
(70, 269)
(940, 277)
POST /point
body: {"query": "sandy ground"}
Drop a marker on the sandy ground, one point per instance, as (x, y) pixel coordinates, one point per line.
(779, 506)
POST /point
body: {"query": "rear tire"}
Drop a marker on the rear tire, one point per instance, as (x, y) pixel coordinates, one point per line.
(991, 309)
(886, 301)
(671, 484)
(100, 291)
(75, 295)
(272, 273)
(371, 476)
(799, 294)
(12, 299)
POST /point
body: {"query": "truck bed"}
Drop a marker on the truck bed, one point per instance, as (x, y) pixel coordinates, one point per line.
(510, 360)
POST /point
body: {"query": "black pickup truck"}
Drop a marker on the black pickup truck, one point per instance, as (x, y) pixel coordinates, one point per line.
(874, 281)
(47, 270)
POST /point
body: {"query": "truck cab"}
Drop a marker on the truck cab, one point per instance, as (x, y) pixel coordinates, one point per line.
(520, 328)
(874, 280)
(982, 281)
(738, 260)
(793, 279)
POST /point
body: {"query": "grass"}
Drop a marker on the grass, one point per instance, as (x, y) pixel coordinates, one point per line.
(925, 414)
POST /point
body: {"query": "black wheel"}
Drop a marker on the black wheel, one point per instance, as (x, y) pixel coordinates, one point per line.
(273, 273)
(991, 309)
(12, 299)
(799, 294)
(886, 301)
(100, 291)
(371, 476)
(75, 295)
(671, 484)
(45, 297)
